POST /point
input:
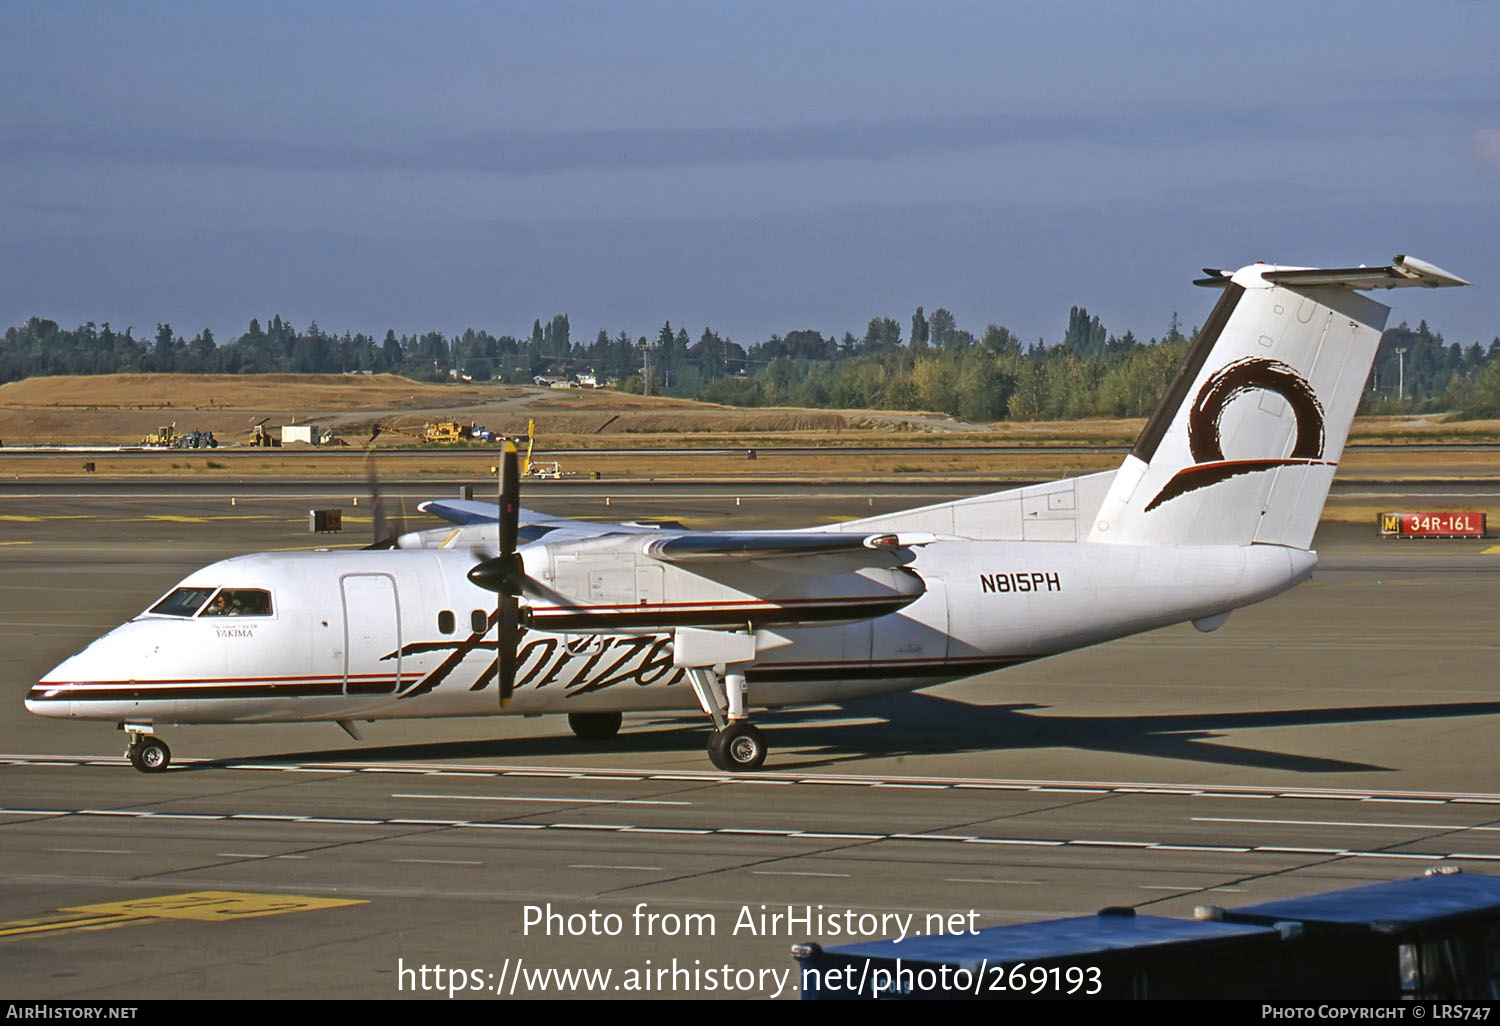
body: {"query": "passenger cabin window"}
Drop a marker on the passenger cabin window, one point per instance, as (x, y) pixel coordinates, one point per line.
(445, 621)
(182, 602)
(479, 621)
(239, 602)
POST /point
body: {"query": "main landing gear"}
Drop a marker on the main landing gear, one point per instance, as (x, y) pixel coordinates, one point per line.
(713, 661)
(740, 746)
(736, 745)
(147, 753)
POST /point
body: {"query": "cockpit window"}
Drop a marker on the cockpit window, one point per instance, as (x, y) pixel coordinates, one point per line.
(239, 602)
(182, 602)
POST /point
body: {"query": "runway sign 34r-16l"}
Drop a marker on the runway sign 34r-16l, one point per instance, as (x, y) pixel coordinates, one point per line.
(1432, 525)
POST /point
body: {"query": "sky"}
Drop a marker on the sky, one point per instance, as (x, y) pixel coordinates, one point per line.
(753, 168)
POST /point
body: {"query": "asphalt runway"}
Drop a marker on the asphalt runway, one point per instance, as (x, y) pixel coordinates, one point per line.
(1339, 734)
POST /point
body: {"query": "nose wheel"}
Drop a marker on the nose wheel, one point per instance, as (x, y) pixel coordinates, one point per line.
(149, 754)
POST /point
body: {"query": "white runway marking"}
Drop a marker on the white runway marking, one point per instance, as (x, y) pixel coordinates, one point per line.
(1093, 844)
(330, 819)
(443, 862)
(837, 837)
(613, 774)
(542, 798)
(459, 773)
(1341, 823)
(979, 880)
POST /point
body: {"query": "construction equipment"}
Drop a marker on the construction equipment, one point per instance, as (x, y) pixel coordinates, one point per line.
(549, 470)
(447, 431)
(260, 438)
(443, 432)
(196, 440)
(162, 438)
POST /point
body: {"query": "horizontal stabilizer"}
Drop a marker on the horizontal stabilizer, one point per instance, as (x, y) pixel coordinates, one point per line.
(1403, 272)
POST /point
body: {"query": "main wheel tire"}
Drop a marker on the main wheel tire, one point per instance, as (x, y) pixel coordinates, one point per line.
(150, 755)
(716, 751)
(596, 726)
(741, 747)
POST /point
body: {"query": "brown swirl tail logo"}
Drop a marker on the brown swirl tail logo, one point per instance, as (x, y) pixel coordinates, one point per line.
(1207, 412)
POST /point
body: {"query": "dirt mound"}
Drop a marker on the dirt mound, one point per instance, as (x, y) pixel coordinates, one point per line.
(229, 392)
(121, 409)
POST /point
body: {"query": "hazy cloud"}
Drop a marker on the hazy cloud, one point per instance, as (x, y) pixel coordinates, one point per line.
(524, 152)
(1487, 146)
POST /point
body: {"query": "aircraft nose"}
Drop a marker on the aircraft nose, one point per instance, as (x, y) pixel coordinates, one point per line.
(47, 698)
(53, 693)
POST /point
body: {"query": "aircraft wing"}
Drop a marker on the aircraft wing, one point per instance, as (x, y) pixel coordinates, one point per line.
(464, 512)
(705, 546)
(671, 544)
(473, 512)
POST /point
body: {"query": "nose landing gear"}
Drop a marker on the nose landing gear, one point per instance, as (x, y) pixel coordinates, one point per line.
(147, 753)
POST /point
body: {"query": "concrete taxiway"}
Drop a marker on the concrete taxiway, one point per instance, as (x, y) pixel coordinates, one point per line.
(1339, 734)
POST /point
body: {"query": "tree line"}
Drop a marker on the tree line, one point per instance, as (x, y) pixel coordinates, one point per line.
(937, 366)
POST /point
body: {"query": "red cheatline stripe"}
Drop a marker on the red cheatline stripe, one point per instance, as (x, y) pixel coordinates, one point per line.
(715, 606)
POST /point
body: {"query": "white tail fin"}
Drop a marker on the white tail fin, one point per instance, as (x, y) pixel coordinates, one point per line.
(1244, 446)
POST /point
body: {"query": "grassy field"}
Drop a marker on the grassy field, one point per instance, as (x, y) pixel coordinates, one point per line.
(121, 409)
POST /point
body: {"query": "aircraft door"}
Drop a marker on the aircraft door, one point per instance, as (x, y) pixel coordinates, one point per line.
(649, 583)
(372, 634)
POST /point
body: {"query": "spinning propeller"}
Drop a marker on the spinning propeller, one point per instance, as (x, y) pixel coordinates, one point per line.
(505, 572)
(386, 530)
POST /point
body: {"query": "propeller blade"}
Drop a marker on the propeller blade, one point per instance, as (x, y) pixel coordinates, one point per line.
(510, 499)
(510, 639)
(510, 571)
(382, 536)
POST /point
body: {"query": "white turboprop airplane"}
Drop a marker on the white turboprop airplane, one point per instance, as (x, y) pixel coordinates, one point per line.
(1214, 508)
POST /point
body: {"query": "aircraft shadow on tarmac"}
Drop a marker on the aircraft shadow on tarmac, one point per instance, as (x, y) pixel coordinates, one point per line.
(912, 724)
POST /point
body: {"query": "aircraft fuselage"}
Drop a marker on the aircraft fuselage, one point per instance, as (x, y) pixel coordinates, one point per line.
(392, 634)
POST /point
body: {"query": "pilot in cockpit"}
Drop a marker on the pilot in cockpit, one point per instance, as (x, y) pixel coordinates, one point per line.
(222, 606)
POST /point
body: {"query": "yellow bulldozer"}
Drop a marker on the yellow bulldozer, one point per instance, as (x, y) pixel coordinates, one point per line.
(442, 431)
(162, 438)
(447, 431)
(262, 437)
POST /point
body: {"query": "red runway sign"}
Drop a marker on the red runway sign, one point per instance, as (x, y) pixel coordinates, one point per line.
(1432, 525)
